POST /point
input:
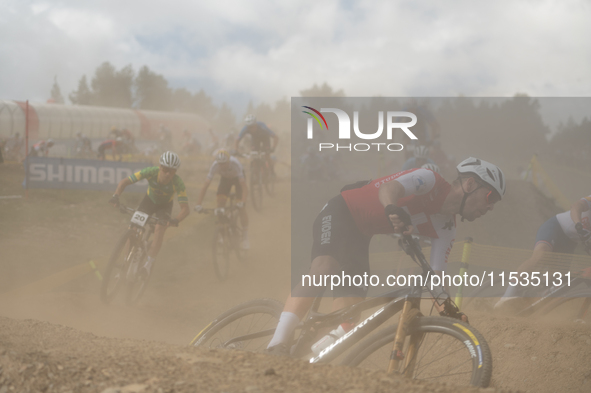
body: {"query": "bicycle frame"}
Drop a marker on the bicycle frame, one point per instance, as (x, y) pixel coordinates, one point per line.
(554, 293)
(405, 299)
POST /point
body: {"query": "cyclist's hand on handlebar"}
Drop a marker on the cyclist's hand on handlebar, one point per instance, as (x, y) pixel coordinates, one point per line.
(239, 204)
(114, 200)
(198, 208)
(173, 222)
(584, 234)
(464, 318)
(399, 219)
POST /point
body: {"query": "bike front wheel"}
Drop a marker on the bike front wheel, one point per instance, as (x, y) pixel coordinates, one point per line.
(114, 275)
(221, 253)
(248, 326)
(136, 282)
(574, 307)
(448, 351)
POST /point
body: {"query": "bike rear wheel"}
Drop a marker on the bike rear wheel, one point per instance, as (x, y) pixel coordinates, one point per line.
(221, 252)
(269, 180)
(256, 186)
(448, 351)
(114, 275)
(255, 316)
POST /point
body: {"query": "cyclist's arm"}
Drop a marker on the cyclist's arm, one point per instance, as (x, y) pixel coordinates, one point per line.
(275, 142)
(122, 184)
(389, 194)
(580, 206)
(239, 138)
(203, 191)
(184, 211)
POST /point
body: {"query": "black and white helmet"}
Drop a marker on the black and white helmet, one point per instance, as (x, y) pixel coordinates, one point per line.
(432, 167)
(487, 172)
(250, 120)
(170, 160)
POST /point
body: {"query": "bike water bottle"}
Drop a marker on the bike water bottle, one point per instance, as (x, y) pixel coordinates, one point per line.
(331, 338)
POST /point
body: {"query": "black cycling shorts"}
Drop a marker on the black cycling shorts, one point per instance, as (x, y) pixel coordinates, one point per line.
(226, 184)
(161, 211)
(336, 234)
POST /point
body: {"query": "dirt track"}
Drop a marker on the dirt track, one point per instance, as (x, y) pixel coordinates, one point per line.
(105, 346)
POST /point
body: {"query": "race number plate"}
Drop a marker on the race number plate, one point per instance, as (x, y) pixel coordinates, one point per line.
(139, 218)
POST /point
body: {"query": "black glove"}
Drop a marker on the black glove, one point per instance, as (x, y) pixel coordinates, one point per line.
(584, 234)
(393, 209)
(173, 222)
(114, 200)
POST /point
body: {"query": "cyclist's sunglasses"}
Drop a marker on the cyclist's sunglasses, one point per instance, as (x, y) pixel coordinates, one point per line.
(167, 170)
(492, 196)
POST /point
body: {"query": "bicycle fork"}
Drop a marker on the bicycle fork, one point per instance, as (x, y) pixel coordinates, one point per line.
(409, 312)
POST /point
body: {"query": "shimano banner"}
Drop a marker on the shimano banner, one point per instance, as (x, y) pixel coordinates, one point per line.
(82, 174)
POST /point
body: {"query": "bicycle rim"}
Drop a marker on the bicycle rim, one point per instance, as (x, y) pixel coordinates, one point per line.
(269, 181)
(221, 253)
(449, 351)
(573, 308)
(136, 284)
(236, 238)
(260, 315)
(114, 274)
(256, 188)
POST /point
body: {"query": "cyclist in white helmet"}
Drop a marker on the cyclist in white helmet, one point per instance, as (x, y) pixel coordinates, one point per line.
(232, 175)
(417, 201)
(163, 183)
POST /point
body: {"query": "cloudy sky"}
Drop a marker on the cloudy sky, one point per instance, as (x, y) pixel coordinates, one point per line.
(265, 50)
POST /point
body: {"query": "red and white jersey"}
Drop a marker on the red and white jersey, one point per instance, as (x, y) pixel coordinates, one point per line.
(425, 192)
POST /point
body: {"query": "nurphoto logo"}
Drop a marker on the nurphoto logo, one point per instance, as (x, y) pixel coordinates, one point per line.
(394, 120)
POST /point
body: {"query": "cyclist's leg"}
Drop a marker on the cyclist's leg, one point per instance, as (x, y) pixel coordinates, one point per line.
(223, 191)
(338, 244)
(300, 300)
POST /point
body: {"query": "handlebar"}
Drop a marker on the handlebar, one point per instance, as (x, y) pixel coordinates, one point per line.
(151, 220)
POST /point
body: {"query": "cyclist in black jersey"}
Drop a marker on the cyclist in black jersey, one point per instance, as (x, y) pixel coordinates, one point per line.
(261, 137)
(163, 184)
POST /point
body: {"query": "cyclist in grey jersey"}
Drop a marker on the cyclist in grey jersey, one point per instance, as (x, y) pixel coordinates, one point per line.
(232, 174)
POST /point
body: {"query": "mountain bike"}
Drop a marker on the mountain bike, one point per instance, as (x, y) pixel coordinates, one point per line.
(226, 238)
(569, 301)
(261, 177)
(129, 255)
(441, 347)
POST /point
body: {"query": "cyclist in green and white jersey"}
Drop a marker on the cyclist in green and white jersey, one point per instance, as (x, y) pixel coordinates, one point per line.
(163, 184)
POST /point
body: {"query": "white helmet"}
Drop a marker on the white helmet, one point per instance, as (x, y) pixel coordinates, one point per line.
(487, 172)
(432, 167)
(421, 151)
(222, 156)
(250, 120)
(170, 160)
